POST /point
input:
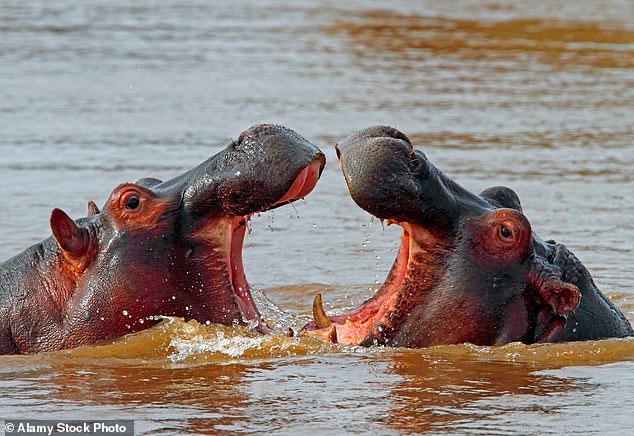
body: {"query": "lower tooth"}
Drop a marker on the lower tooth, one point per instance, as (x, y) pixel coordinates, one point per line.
(332, 335)
(320, 317)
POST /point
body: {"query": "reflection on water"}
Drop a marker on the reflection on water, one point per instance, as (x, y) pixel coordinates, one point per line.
(535, 95)
(558, 44)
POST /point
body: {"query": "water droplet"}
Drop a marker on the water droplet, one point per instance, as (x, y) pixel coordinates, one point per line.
(125, 313)
(295, 209)
(207, 322)
(141, 321)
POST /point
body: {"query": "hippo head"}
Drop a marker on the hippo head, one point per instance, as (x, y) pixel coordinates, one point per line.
(175, 247)
(469, 268)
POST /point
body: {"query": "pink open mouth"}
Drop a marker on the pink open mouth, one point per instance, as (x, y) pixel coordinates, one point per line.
(303, 184)
(352, 328)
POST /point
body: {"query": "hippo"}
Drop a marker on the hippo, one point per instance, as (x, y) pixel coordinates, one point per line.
(155, 249)
(469, 269)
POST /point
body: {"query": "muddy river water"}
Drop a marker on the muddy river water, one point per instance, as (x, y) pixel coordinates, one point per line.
(535, 95)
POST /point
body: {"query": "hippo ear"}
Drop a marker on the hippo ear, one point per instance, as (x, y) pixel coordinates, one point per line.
(92, 208)
(501, 196)
(69, 236)
(148, 182)
(562, 297)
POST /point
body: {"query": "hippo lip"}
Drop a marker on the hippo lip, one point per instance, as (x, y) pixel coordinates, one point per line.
(303, 184)
(376, 313)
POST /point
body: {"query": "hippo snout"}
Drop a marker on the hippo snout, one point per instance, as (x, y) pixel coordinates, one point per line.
(252, 174)
(379, 165)
(391, 179)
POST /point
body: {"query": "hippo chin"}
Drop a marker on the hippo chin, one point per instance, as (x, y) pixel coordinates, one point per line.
(156, 248)
(469, 269)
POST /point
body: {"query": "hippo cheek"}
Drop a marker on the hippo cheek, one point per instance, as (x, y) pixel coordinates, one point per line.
(214, 270)
(448, 320)
(516, 323)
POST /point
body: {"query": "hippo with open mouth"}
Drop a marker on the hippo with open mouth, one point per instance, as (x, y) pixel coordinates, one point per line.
(469, 269)
(156, 248)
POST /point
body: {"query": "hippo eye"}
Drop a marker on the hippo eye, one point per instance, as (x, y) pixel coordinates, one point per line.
(132, 202)
(506, 233)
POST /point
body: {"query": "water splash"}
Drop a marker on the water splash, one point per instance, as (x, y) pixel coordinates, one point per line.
(232, 346)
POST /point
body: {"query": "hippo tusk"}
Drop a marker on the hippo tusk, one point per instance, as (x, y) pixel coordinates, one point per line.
(321, 319)
(332, 334)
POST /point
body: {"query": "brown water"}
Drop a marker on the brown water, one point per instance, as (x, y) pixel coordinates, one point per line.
(535, 95)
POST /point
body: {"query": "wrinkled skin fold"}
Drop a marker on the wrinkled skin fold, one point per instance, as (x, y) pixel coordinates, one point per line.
(470, 268)
(156, 248)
